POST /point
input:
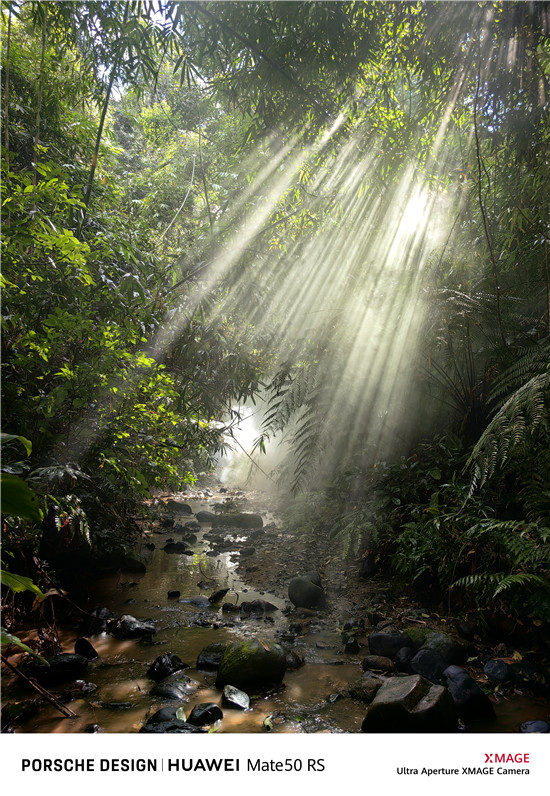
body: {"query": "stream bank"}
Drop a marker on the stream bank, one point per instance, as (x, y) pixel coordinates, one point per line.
(249, 568)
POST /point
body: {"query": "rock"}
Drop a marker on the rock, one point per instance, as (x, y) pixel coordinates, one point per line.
(150, 546)
(417, 635)
(66, 666)
(173, 594)
(235, 698)
(247, 551)
(429, 664)
(200, 601)
(132, 565)
(450, 650)
(410, 704)
(175, 686)
(175, 507)
(471, 702)
(97, 623)
(498, 671)
(205, 516)
(210, 657)
(378, 662)
(258, 607)
(91, 728)
(467, 630)
(83, 647)
(237, 520)
(193, 526)
(164, 665)
(535, 726)
(251, 664)
(130, 627)
(205, 713)
(293, 660)
(364, 689)
(177, 547)
(351, 645)
(403, 659)
(388, 644)
(304, 593)
(166, 714)
(172, 726)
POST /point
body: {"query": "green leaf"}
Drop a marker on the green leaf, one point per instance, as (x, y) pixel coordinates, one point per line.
(8, 638)
(27, 444)
(19, 583)
(435, 472)
(18, 500)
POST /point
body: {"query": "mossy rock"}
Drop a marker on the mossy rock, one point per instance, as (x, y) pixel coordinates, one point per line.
(417, 635)
(251, 664)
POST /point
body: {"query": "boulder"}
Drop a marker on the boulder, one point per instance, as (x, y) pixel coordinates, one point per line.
(173, 594)
(66, 666)
(388, 644)
(130, 627)
(237, 520)
(471, 702)
(303, 592)
(235, 698)
(83, 647)
(175, 507)
(176, 686)
(403, 658)
(429, 664)
(537, 725)
(351, 645)
(97, 622)
(365, 688)
(450, 650)
(293, 660)
(205, 516)
(205, 713)
(378, 663)
(411, 704)
(167, 714)
(210, 657)
(498, 671)
(258, 607)
(252, 663)
(164, 665)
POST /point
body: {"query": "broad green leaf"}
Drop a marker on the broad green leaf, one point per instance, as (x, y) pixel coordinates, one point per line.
(18, 500)
(27, 444)
(18, 583)
(8, 638)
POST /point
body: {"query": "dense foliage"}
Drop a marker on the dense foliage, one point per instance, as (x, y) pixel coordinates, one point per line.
(204, 204)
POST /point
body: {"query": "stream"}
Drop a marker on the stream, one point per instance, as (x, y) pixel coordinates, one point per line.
(313, 697)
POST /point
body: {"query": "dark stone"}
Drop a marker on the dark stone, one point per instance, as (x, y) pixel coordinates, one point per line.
(193, 526)
(130, 627)
(304, 593)
(251, 663)
(235, 698)
(164, 665)
(228, 608)
(167, 522)
(410, 704)
(175, 507)
(450, 650)
(83, 647)
(150, 546)
(364, 689)
(177, 547)
(175, 686)
(205, 713)
(258, 607)
(535, 726)
(91, 728)
(388, 644)
(378, 663)
(172, 726)
(498, 671)
(132, 565)
(247, 551)
(471, 702)
(205, 516)
(403, 659)
(164, 714)
(293, 660)
(333, 698)
(97, 623)
(173, 594)
(217, 596)
(66, 666)
(351, 645)
(429, 664)
(210, 657)
(237, 520)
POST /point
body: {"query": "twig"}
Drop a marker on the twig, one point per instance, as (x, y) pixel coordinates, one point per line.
(41, 690)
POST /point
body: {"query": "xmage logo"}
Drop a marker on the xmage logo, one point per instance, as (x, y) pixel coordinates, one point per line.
(507, 757)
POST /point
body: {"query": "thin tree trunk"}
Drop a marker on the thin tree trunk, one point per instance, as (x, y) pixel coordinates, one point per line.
(99, 135)
(39, 100)
(204, 182)
(7, 100)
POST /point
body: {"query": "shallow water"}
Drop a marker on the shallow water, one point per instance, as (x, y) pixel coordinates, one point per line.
(122, 702)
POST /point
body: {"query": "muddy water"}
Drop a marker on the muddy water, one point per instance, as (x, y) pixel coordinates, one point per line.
(313, 698)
